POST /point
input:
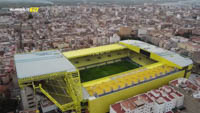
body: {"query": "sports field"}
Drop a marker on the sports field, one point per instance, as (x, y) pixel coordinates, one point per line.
(106, 70)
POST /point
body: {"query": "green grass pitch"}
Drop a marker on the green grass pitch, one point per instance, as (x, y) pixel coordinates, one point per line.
(106, 70)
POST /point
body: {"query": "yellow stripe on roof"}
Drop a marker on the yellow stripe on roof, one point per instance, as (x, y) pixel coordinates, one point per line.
(93, 51)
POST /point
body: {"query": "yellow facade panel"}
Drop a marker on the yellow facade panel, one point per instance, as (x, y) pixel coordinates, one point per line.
(134, 48)
(188, 75)
(101, 104)
(93, 51)
(190, 67)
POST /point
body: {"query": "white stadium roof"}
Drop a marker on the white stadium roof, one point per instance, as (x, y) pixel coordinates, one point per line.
(171, 56)
(41, 63)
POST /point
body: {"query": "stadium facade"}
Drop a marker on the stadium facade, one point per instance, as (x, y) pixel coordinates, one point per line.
(94, 78)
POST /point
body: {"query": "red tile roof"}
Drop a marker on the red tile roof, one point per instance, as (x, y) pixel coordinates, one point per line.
(117, 108)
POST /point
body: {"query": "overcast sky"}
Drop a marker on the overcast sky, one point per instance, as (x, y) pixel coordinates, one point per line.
(28, 3)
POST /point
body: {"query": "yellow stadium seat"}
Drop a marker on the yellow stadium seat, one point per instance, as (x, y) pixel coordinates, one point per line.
(107, 89)
(99, 91)
(115, 86)
(91, 93)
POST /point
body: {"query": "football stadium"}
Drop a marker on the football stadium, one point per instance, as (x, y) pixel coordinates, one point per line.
(97, 77)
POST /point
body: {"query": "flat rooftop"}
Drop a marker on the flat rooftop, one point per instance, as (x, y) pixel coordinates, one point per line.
(41, 63)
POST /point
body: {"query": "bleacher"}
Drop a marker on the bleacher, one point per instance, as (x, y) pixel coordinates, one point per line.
(110, 57)
(121, 80)
(140, 59)
(94, 60)
(128, 80)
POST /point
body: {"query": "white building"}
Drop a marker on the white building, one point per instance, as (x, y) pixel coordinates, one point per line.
(179, 39)
(161, 100)
(138, 104)
(115, 38)
(176, 97)
(159, 105)
(142, 32)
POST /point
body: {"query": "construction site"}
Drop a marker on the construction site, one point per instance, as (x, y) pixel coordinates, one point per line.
(90, 80)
